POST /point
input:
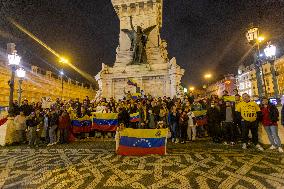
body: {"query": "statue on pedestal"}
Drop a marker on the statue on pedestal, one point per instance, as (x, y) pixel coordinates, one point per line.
(139, 40)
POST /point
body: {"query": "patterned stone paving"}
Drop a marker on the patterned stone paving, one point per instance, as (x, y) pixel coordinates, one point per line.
(95, 165)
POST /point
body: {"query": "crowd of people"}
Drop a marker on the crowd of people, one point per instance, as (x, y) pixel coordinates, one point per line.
(224, 120)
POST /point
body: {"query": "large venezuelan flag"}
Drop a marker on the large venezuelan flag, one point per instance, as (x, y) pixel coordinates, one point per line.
(139, 142)
(81, 125)
(135, 117)
(105, 121)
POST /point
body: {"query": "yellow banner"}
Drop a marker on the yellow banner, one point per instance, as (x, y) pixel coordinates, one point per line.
(144, 133)
(229, 98)
(200, 113)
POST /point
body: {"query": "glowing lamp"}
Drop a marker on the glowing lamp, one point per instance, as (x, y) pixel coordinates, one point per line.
(14, 59)
(270, 51)
(21, 73)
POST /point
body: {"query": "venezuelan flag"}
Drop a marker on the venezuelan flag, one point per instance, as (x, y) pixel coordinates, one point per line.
(136, 95)
(140, 142)
(81, 125)
(105, 121)
(131, 82)
(135, 117)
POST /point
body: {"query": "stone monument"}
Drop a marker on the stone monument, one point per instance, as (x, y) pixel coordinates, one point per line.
(141, 55)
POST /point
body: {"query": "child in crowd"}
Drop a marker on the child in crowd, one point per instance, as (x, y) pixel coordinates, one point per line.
(191, 129)
(117, 135)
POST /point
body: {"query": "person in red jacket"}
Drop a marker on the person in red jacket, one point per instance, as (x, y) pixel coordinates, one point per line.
(270, 117)
(64, 124)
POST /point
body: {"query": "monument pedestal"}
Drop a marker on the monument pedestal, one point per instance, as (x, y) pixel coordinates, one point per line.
(156, 80)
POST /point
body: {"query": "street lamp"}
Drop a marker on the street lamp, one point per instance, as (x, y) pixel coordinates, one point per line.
(14, 61)
(207, 76)
(61, 72)
(21, 73)
(63, 60)
(255, 39)
(270, 53)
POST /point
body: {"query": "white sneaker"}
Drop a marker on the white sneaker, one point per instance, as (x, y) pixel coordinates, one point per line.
(173, 140)
(244, 146)
(177, 140)
(280, 149)
(225, 143)
(259, 147)
(272, 147)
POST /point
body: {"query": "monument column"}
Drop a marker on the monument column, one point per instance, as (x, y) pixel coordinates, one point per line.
(146, 64)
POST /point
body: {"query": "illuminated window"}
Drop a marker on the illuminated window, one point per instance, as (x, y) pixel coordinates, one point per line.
(241, 86)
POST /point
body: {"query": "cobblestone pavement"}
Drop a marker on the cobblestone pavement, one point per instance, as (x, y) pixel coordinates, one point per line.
(93, 164)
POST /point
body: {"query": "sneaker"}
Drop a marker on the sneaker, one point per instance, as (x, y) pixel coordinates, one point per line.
(272, 147)
(244, 146)
(259, 147)
(182, 142)
(280, 149)
(51, 144)
(233, 143)
(177, 141)
(173, 140)
(225, 143)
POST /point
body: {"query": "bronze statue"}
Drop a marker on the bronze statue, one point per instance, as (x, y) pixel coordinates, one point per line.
(139, 40)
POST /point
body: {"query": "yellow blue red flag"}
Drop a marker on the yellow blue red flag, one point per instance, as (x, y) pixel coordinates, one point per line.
(135, 117)
(139, 142)
(105, 121)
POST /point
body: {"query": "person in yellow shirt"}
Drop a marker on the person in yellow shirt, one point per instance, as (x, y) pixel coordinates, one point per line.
(249, 113)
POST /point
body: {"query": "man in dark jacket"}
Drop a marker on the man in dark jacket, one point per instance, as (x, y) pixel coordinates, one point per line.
(227, 111)
(32, 123)
(123, 117)
(214, 119)
(26, 108)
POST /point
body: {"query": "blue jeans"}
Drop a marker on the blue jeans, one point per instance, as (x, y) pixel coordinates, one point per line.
(52, 134)
(174, 130)
(272, 133)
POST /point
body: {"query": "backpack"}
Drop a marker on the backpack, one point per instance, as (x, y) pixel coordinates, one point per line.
(273, 114)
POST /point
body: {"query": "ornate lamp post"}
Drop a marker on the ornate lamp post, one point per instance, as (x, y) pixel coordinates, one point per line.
(14, 61)
(21, 73)
(255, 39)
(270, 53)
(62, 82)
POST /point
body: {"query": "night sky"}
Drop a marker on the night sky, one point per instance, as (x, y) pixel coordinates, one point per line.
(204, 35)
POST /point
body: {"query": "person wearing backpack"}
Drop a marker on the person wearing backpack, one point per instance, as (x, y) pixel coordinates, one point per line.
(270, 117)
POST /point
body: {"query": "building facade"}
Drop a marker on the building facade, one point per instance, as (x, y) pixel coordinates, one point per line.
(228, 83)
(247, 83)
(39, 83)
